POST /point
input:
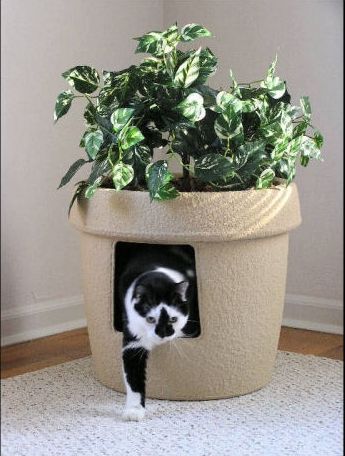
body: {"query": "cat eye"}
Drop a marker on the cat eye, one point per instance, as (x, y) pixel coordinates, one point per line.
(150, 319)
(173, 320)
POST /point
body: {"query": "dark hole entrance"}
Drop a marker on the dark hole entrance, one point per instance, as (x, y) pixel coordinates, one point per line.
(131, 259)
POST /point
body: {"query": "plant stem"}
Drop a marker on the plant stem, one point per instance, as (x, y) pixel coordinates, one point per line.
(250, 83)
(186, 163)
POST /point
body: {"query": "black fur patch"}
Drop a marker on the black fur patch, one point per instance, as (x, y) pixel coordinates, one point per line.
(163, 327)
(134, 365)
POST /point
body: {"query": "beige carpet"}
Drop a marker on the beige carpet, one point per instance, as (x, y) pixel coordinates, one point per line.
(64, 411)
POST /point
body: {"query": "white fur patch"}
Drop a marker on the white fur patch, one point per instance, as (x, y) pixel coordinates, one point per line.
(133, 410)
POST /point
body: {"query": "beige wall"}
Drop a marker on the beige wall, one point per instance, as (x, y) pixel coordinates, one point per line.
(42, 38)
(307, 34)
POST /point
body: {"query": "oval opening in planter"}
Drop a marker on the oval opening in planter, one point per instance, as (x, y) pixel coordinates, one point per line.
(240, 241)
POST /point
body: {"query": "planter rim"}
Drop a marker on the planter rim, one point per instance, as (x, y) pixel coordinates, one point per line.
(193, 216)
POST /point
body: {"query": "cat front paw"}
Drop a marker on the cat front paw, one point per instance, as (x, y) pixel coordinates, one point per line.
(134, 413)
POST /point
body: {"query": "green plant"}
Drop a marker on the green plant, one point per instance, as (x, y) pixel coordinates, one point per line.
(233, 139)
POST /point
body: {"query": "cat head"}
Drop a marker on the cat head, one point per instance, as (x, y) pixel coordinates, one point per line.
(161, 306)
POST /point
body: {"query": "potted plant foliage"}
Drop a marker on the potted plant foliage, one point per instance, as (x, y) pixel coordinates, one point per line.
(234, 203)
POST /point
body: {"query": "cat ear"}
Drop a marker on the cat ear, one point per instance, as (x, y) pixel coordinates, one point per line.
(181, 289)
(139, 291)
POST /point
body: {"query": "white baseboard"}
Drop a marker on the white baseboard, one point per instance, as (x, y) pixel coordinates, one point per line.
(55, 316)
(42, 319)
(316, 314)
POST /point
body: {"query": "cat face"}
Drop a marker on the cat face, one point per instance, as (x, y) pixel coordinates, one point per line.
(161, 308)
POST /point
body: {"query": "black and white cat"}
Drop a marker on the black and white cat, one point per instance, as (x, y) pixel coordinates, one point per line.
(157, 290)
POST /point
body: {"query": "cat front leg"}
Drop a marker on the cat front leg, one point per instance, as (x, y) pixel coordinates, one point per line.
(134, 370)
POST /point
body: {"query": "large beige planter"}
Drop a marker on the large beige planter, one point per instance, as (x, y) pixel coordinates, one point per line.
(241, 247)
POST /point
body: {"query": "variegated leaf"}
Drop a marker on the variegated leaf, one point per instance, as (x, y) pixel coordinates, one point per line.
(265, 179)
(93, 142)
(91, 189)
(275, 87)
(83, 78)
(122, 174)
(130, 136)
(149, 43)
(213, 168)
(286, 124)
(228, 127)
(192, 107)
(227, 102)
(63, 103)
(207, 66)
(272, 67)
(158, 179)
(120, 117)
(191, 32)
(306, 108)
(188, 71)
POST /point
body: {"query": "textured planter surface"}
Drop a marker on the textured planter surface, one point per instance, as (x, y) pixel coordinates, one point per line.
(241, 246)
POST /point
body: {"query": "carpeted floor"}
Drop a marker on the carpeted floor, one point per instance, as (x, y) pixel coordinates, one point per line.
(64, 411)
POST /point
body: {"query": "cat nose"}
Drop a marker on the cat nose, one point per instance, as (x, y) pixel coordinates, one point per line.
(164, 332)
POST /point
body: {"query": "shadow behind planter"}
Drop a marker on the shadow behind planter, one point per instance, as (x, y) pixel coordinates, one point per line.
(240, 241)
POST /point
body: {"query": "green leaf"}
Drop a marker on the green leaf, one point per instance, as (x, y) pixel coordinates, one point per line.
(130, 136)
(118, 86)
(149, 43)
(171, 37)
(120, 117)
(213, 167)
(188, 71)
(272, 68)
(83, 78)
(275, 87)
(158, 179)
(227, 102)
(309, 149)
(227, 127)
(191, 32)
(318, 138)
(100, 168)
(207, 66)
(77, 194)
(234, 88)
(91, 189)
(122, 175)
(170, 63)
(167, 192)
(280, 148)
(272, 131)
(93, 142)
(294, 147)
(192, 107)
(300, 129)
(72, 171)
(265, 179)
(306, 108)
(249, 152)
(286, 124)
(63, 103)
(141, 157)
(90, 115)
